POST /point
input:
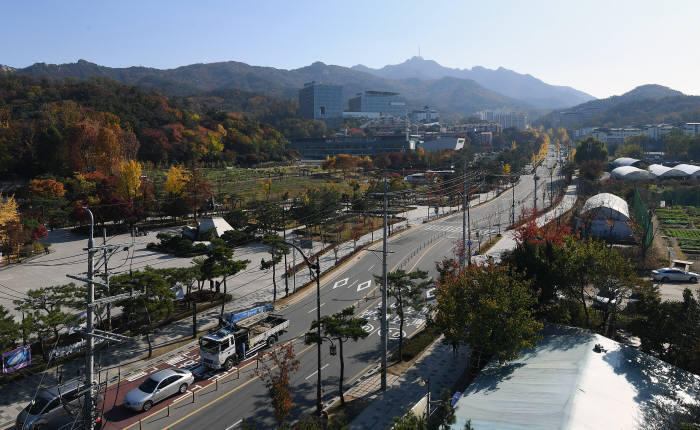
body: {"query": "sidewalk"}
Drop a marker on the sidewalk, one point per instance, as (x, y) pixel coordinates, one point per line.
(507, 241)
(438, 365)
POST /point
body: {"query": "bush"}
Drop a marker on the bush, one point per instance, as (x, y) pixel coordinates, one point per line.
(417, 344)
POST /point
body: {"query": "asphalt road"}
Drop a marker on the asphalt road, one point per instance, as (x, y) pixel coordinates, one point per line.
(240, 394)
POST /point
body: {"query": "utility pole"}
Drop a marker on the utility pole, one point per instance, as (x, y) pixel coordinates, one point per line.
(535, 193)
(90, 332)
(104, 255)
(90, 359)
(465, 203)
(512, 207)
(469, 233)
(383, 329)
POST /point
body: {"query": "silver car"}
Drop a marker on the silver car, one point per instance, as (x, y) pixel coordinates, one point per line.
(157, 387)
(672, 274)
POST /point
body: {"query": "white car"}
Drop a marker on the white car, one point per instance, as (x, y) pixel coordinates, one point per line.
(672, 274)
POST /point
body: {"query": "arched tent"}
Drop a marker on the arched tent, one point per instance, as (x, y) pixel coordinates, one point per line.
(663, 172)
(689, 169)
(625, 161)
(631, 173)
(606, 215)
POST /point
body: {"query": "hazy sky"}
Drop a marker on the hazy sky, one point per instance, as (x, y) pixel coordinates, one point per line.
(601, 47)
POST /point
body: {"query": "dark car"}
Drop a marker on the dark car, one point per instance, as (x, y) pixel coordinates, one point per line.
(51, 404)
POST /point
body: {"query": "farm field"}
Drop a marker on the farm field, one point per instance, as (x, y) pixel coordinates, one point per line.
(683, 224)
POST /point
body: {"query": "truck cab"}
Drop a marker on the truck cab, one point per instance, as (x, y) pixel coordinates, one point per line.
(242, 334)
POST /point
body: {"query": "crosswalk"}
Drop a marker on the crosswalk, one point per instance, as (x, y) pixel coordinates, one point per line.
(458, 229)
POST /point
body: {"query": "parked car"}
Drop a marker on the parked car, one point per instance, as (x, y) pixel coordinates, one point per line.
(604, 298)
(673, 274)
(51, 404)
(157, 387)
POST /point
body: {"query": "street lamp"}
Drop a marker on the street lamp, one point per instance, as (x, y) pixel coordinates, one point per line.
(315, 266)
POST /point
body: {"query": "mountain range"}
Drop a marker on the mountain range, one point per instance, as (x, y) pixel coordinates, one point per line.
(644, 104)
(507, 82)
(422, 82)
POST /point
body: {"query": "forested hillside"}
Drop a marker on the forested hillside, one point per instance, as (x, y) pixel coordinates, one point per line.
(68, 125)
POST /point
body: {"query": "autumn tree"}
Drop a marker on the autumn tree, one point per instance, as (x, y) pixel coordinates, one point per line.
(175, 180)
(10, 226)
(276, 369)
(341, 327)
(129, 179)
(471, 307)
(407, 289)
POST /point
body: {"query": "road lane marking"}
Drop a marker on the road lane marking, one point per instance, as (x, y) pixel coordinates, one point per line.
(234, 424)
(340, 283)
(364, 285)
(136, 376)
(370, 268)
(316, 371)
(322, 304)
(225, 394)
(423, 254)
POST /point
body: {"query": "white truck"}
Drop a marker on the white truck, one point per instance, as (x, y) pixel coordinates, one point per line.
(242, 335)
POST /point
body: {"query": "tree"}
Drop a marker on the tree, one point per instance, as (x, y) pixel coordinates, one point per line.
(592, 169)
(197, 191)
(487, 308)
(45, 313)
(590, 149)
(9, 216)
(407, 289)
(129, 179)
(631, 150)
(155, 305)
(219, 263)
(175, 180)
(277, 382)
(9, 330)
(444, 414)
(341, 327)
(277, 249)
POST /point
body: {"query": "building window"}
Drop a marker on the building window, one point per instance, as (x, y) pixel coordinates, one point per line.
(322, 110)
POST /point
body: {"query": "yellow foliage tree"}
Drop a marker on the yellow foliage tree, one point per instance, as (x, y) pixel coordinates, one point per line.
(9, 214)
(175, 180)
(129, 179)
(506, 169)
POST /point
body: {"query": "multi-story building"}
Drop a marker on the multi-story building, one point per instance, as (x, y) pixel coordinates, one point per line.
(384, 102)
(691, 128)
(321, 101)
(507, 119)
(425, 115)
(319, 149)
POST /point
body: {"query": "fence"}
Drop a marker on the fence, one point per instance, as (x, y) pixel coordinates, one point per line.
(642, 217)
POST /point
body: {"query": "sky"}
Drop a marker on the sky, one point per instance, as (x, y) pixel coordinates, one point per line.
(601, 47)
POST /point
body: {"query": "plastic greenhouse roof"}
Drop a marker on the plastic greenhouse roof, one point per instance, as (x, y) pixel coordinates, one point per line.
(606, 200)
(625, 161)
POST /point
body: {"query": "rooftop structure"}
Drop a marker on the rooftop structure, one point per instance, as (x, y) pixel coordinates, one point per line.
(625, 161)
(563, 383)
(661, 171)
(631, 173)
(218, 224)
